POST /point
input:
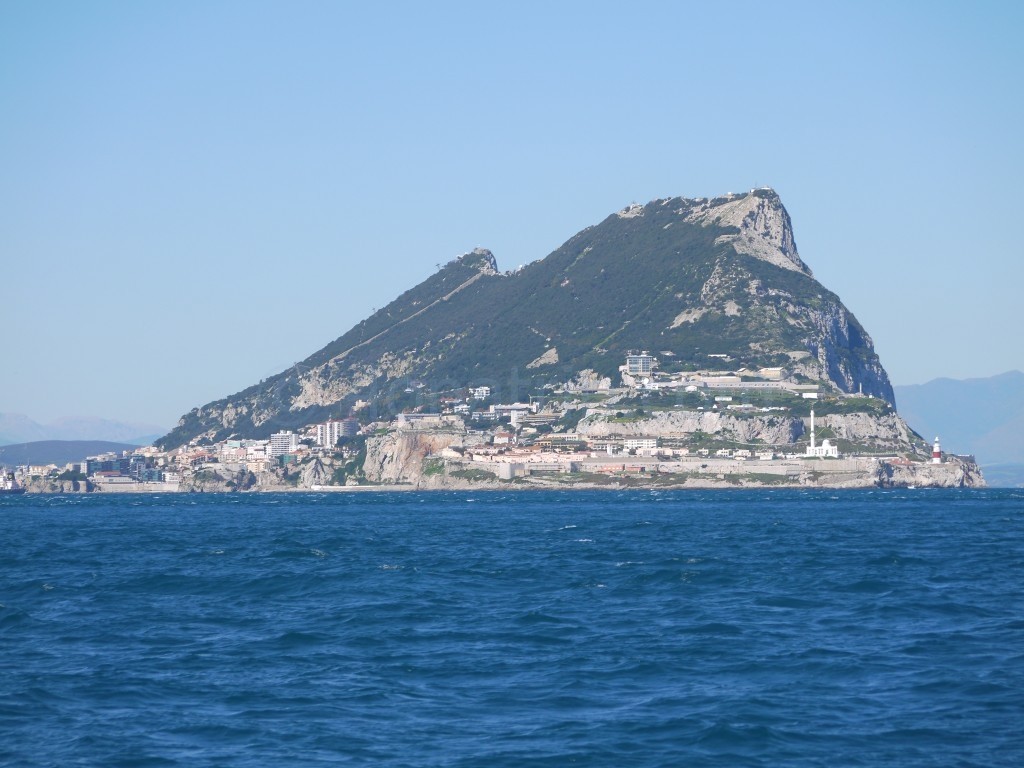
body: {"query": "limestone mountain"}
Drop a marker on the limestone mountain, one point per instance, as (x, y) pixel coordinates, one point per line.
(684, 278)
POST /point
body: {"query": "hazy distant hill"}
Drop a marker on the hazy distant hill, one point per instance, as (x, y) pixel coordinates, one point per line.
(984, 417)
(683, 278)
(57, 451)
(18, 428)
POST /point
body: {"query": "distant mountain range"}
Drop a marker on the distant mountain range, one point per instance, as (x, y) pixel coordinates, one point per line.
(57, 452)
(18, 428)
(984, 417)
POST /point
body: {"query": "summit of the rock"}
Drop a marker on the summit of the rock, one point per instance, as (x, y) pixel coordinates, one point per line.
(758, 222)
(480, 259)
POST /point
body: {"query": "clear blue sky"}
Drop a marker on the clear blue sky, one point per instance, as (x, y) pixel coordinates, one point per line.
(194, 195)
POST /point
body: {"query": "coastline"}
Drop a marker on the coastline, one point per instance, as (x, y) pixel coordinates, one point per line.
(954, 473)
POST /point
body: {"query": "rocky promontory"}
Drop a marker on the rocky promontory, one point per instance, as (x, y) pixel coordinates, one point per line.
(690, 277)
(683, 342)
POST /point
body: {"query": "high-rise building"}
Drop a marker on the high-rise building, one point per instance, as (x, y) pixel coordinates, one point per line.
(282, 443)
(328, 433)
(639, 365)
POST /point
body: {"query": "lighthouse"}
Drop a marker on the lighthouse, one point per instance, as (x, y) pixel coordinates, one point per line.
(936, 452)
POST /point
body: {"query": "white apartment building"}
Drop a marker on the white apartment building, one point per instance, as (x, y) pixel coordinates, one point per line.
(637, 443)
(639, 365)
(282, 443)
(328, 433)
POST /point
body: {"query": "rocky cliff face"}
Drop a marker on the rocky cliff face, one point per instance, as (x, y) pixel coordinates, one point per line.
(953, 473)
(47, 485)
(314, 473)
(770, 430)
(888, 432)
(764, 228)
(834, 338)
(397, 457)
(882, 432)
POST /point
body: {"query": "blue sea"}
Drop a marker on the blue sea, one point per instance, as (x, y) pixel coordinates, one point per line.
(634, 628)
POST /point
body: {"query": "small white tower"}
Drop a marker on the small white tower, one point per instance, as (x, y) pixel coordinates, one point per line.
(826, 449)
(936, 452)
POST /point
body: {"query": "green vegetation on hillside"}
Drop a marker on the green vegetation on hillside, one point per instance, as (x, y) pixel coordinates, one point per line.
(621, 285)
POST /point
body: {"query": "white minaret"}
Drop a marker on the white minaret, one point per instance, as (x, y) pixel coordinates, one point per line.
(936, 452)
(812, 427)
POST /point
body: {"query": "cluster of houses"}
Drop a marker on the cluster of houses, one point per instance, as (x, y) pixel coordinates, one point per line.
(149, 465)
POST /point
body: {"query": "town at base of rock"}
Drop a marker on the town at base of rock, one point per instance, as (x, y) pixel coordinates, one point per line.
(704, 429)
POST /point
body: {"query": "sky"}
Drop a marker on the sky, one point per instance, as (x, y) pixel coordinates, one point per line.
(196, 195)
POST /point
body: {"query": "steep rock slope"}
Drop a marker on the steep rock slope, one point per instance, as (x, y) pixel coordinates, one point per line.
(685, 278)
(770, 430)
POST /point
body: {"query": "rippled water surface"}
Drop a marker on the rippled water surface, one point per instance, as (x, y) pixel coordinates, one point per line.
(497, 629)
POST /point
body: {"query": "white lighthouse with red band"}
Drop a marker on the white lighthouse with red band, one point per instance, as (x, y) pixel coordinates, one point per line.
(936, 452)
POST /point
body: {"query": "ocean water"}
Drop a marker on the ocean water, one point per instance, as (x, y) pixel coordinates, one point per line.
(726, 628)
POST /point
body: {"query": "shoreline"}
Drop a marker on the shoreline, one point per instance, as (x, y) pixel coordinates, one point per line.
(955, 472)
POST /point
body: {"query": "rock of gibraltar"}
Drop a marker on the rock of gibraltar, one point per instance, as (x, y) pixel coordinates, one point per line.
(679, 343)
